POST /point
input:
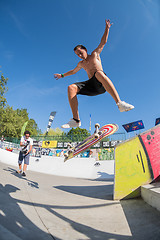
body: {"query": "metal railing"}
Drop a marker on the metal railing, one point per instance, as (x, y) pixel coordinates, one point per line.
(65, 138)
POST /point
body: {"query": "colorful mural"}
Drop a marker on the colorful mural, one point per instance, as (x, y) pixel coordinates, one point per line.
(106, 154)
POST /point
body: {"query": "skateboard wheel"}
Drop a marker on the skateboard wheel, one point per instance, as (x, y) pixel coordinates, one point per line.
(66, 155)
(70, 151)
(69, 145)
(97, 125)
(96, 135)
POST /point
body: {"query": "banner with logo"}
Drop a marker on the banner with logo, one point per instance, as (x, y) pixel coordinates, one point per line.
(51, 117)
(133, 126)
(157, 121)
(23, 128)
(49, 144)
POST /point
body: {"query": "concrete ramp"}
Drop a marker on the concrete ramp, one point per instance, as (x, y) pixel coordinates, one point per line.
(137, 162)
(75, 167)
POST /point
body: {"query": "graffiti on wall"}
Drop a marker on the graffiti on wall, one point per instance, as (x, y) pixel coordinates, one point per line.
(106, 154)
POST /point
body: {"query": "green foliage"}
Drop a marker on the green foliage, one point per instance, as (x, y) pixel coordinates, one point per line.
(3, 90)
(11, 122)
(33, 127)
(74, 135)
(54, 132)
(77, 134)
(23, 113)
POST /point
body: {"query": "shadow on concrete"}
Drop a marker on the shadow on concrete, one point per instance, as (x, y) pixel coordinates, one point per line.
(156, 180)
(100, 192)
(143, 220)
(30, 182)
(155, 185)
(104, 175)
(14, 220)
(89, 232)
(102, 180)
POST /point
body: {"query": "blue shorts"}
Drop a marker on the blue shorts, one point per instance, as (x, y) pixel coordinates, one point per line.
(23, 157)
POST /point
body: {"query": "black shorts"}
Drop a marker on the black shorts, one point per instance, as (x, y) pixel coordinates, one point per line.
(91, 87)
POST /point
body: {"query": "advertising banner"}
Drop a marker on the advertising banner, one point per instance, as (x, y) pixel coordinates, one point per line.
(49, 144)
(51, 117)
(133, 126)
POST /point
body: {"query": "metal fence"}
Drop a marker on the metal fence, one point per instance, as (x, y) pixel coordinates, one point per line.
(71, 138)
(103, 150)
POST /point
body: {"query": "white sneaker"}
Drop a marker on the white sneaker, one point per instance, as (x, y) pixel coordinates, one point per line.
(71, 124)
(124, 107)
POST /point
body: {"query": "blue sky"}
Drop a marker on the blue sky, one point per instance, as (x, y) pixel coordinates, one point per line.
(37, 40)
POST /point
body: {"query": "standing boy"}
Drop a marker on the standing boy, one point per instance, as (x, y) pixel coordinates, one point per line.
(26, 144)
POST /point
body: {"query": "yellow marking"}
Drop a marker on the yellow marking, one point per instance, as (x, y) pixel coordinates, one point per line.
(131, 168)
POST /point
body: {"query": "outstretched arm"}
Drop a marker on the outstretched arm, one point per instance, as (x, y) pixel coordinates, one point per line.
(104, 37)
(71, 72)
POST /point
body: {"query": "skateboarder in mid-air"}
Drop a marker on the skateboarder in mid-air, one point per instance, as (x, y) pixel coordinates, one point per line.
(98, 82)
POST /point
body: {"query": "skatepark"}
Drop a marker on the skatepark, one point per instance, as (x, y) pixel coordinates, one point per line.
(75, 200)
(66, 66)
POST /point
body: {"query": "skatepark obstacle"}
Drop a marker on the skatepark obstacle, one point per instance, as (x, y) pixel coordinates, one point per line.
(137, 162)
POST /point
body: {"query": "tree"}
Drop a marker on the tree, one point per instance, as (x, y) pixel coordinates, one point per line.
(3, 90)
(78, 134)
(23, 113)
(33, 127)
(11, 122)
(55, 132)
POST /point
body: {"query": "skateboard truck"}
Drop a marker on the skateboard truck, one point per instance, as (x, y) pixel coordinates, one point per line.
(69, 145)
(66, 154)
(97, 132)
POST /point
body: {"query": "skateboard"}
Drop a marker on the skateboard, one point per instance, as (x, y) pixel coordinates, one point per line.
(24, 149)
(98, 135)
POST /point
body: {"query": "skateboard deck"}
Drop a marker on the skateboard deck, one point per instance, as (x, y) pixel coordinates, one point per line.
(98, 135)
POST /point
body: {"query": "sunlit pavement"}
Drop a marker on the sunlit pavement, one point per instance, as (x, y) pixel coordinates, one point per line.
(42, 206)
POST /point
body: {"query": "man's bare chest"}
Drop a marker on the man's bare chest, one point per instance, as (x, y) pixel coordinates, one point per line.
(91, 63)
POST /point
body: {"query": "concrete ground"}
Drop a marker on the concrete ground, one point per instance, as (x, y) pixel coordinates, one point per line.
(41, 206)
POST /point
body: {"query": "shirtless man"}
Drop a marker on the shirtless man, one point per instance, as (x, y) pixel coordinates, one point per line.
(98, 82)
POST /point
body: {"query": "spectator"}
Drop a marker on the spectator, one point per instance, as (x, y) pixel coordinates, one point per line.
(2, 140)
(26, 144)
